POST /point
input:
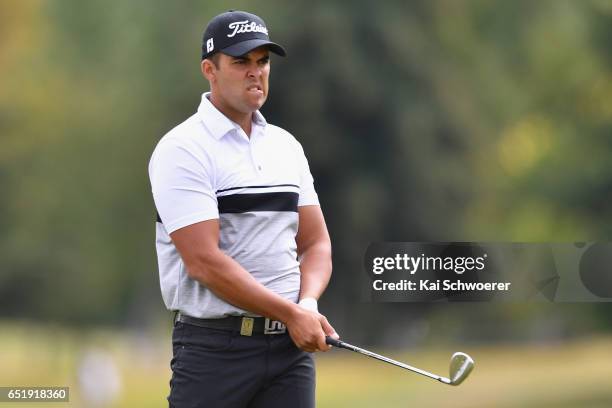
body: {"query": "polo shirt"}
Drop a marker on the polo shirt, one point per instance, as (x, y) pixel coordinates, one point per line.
(207, 168)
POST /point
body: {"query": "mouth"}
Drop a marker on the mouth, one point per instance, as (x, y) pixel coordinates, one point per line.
(255, 89)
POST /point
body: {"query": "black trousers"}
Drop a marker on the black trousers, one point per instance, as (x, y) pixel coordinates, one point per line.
(222, 369)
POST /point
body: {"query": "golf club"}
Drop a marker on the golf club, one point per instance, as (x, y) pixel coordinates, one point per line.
(460, 365)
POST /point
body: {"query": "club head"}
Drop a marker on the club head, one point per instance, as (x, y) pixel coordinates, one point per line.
(461, 366)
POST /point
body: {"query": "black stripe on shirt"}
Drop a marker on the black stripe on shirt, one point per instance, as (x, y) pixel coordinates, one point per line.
(238, 188)
(158, 217)
(241, 203)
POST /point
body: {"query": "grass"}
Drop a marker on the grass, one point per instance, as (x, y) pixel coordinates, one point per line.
(574, 374)
(560, 375)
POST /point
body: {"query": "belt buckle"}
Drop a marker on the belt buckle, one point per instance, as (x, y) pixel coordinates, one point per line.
(246, 326)
(274, 327)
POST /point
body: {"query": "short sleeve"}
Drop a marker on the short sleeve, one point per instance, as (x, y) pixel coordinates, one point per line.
(182, 186)
(308, 194)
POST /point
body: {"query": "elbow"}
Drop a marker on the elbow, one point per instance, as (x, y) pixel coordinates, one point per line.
(325, 251)
(202, 265)
(322, 251)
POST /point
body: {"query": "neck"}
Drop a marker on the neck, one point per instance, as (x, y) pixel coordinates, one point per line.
(241, 118)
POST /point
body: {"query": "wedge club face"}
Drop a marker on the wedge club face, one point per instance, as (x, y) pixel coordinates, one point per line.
(461, 366)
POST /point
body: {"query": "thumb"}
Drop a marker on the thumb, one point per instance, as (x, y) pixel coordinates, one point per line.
(328, 329)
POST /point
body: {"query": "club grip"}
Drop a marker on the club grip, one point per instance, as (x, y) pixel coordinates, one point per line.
(333, 342)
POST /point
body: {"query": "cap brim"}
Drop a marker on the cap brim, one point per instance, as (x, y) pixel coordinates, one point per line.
(241, 48)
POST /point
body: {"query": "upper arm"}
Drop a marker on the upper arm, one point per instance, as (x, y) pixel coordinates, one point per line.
(312, 229)
(182, 185)
(197, 242)
(308, 194)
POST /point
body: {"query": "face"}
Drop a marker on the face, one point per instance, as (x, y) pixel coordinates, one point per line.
(239, 84)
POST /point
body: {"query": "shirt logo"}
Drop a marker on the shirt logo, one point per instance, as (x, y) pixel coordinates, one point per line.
(246, 26)
(209, 45)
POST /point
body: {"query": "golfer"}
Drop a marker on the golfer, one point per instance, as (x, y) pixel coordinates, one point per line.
(242, 245)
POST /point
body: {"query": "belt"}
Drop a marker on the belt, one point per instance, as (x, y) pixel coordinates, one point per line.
(247, 326)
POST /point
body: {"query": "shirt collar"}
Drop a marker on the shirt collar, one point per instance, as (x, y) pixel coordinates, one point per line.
(258, 119)
(219, 124)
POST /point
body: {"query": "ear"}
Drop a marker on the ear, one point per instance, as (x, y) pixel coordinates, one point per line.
(208, 69)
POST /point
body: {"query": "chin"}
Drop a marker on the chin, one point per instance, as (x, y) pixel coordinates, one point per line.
(256, 105)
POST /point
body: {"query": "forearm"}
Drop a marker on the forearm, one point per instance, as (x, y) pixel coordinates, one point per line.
(232, 283)
(316, 269)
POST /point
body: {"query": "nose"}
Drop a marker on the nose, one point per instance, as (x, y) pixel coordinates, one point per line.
(254, 71)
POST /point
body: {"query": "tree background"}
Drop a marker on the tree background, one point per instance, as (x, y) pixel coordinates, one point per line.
(446, 120)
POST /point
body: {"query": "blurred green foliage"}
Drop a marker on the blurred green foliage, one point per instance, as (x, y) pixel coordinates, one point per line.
(425, 120)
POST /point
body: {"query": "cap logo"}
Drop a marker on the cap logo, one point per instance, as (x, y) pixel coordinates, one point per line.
(245, 26)
(209, 45)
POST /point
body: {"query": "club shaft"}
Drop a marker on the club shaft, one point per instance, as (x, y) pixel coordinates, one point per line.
(341, 344)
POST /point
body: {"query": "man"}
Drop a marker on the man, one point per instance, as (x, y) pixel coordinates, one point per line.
(242, 245)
